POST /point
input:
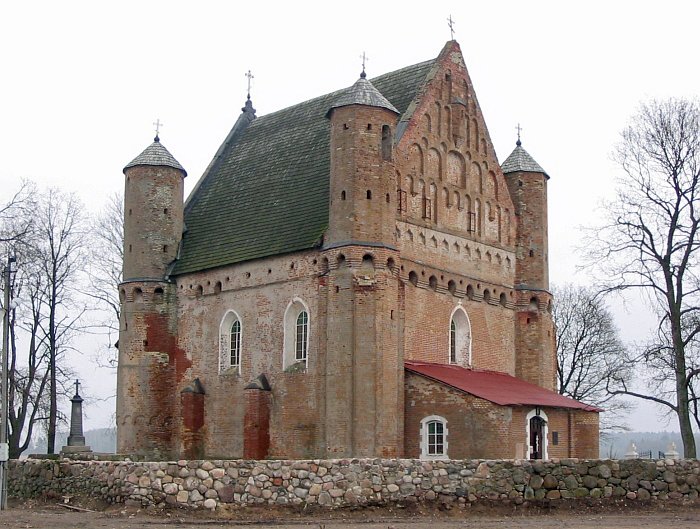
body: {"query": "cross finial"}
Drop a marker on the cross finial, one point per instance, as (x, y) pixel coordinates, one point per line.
(250, 77)
(451, 23)
(157, 124)
(364, 61)
(77, 386)
(519, 129)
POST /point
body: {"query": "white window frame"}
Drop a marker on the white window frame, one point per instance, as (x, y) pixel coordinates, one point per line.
(463, 338)
(545, 433)
(289, 357)
(424, 438)
(225, 364)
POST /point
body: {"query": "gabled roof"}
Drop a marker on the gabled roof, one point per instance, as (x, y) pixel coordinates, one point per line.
(499, 388)
(266, 192)
(520, 160)
(362, 92)
(156, 154)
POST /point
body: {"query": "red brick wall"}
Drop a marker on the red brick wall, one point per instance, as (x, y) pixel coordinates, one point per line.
(477, 429)
(256, 426)
(152, 220)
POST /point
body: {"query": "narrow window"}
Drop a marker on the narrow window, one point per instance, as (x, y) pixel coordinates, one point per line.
(402, 201)
(342, 195)
(235, 344)
(230, 343)
(369, 195)
(460, 351)
(427, 208)
(302, 331)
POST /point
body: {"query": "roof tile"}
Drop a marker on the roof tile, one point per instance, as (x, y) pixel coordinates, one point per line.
(267, 192)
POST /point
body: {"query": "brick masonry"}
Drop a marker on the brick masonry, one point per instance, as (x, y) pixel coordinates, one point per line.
(419, 226)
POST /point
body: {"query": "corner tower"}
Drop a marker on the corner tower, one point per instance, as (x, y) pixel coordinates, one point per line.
(149, 359)
(534, 334)
(364, 374)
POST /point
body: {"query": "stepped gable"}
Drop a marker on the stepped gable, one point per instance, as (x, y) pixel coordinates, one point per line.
(267, 193)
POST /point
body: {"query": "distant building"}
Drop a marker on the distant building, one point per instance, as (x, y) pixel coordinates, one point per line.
(355, 275)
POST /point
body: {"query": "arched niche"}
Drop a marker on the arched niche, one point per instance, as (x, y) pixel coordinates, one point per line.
(456, 169)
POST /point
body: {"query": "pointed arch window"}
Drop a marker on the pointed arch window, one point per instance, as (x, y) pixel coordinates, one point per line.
(230, 343)
(297, 323)
(235, 344)
(460, 350)
(301, 337)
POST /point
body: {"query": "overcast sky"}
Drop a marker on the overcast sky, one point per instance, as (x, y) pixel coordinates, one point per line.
(84, 81)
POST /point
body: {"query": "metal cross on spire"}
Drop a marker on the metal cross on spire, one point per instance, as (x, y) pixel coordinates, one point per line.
(157, 124)
(250, 77)
(364, 61)
(77, 386)
(451, 23)
(519, 129)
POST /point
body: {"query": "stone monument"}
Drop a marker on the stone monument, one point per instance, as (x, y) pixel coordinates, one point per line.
(76, 439)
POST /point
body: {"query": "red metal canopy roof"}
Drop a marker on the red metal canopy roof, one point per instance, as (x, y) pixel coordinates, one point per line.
(495, 387)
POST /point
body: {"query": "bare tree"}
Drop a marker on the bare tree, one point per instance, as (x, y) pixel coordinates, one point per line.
(15, 217)
(589, 352)
(650, 242)
(59, 251)
(28, 368)
(104, 269)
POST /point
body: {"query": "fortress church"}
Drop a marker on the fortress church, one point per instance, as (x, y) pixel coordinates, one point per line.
(352, 276)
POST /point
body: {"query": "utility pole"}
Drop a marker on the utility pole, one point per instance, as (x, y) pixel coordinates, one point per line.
(4, 383)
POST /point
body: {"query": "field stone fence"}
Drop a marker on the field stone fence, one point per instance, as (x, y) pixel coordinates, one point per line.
(353, 482)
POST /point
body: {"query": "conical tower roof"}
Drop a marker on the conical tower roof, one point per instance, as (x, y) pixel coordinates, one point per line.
(362, 93)
(520, 160)
(156, 154)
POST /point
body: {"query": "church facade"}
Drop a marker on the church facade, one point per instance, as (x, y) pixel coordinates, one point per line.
(355, 275)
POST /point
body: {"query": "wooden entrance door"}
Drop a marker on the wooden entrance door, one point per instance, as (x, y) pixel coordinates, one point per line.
(536, 437)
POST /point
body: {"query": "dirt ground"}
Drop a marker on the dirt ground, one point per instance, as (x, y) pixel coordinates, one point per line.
(51, 515)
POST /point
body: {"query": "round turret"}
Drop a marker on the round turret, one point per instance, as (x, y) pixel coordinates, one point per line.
(153, 213)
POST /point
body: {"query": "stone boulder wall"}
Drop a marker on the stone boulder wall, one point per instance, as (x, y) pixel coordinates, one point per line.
(348, 482)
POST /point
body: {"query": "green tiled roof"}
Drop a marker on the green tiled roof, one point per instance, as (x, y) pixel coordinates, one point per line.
(267, 192)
